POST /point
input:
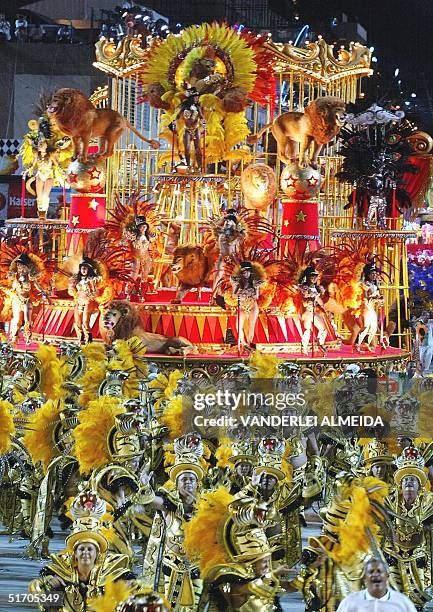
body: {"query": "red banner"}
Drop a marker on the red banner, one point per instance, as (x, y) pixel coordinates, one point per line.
(300, 225)
(87, 212)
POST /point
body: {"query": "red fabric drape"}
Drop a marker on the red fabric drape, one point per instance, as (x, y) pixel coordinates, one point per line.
(416, 184)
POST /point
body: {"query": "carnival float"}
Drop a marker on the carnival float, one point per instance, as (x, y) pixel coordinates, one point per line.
(228, 194)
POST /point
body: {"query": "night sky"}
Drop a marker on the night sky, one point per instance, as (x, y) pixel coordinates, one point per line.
(402, 34)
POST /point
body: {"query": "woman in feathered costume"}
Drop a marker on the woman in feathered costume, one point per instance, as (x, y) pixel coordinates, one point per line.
(228, 67)
(234, 230)
(25, 283)
(46, 154)
(313, 309)
(100, 276)
(192, 115)
(250, 281)
(246, 281)
(135, 226)
(372, 298)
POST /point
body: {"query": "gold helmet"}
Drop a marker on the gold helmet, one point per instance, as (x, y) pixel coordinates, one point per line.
(410, 463)
(188, 450)
(377, 451)
(123, 439)
(87, 510)
(271, 451)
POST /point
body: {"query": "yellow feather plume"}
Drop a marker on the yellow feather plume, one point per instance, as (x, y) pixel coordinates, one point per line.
(172, 416)
(320, 398)
(7, 427)
(266, 365)
(353, 533)
(39, 439)
(94, 352)
(114, 594)
(91, 381)
(51, 372)
(203, 537)
(91, 434)
(223, 454)
(164, 388)
(235, 130)
(131, 354)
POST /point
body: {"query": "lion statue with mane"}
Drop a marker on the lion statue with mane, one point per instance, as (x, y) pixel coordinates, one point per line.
(74, 115)
(121, 321)
(193, 266)
(319, 124)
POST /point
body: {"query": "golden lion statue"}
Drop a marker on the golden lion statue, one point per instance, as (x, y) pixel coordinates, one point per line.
(193, 266)
(121, 321)
(319, 124)
(74, 115)
(259, 186)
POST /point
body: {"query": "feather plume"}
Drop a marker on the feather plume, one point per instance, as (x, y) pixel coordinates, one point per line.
(360, 524)
(114, 594)
(203, 537)
(51, 372)
(172, 416)
(7, 427)
(223, 454)
(91, 381)
(266, 365)
(39, 439)
(91, 434)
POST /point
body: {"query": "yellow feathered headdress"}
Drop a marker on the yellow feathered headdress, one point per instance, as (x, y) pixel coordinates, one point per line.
(51, 372)
(7, 427)
(173, 415)
(164, 387)
(360, 528)
(39, 438)
(114, 594)
(203, 533)
(238, 61)
(96, 368)
(266, 366)
(91, 434)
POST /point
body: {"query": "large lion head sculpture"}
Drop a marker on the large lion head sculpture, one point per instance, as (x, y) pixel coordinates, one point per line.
(67, 105)
(190, 265)
(326, 116)
(259, 186)
(119, 321)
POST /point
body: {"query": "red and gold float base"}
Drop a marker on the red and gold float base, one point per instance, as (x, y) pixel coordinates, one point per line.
(209, 327)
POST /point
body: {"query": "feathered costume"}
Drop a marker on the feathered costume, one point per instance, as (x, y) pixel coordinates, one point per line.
(267, 272)
(226, 66)
(47, 168)
(21, 291)
(125, 228)
(374, 149)
(351, 525)
(108, 268)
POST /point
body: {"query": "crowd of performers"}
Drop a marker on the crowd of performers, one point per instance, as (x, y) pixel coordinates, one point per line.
(238, 260)
(158, 516)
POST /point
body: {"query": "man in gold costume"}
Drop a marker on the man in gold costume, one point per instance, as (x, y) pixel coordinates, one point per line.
(409, 556)
(167, 566)
(82, 572)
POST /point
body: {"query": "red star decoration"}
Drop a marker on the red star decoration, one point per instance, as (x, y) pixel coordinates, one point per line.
(312, 181)
(411, 453)
(94, 173)
(290, 181)
(72, 177)
(269, 444)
